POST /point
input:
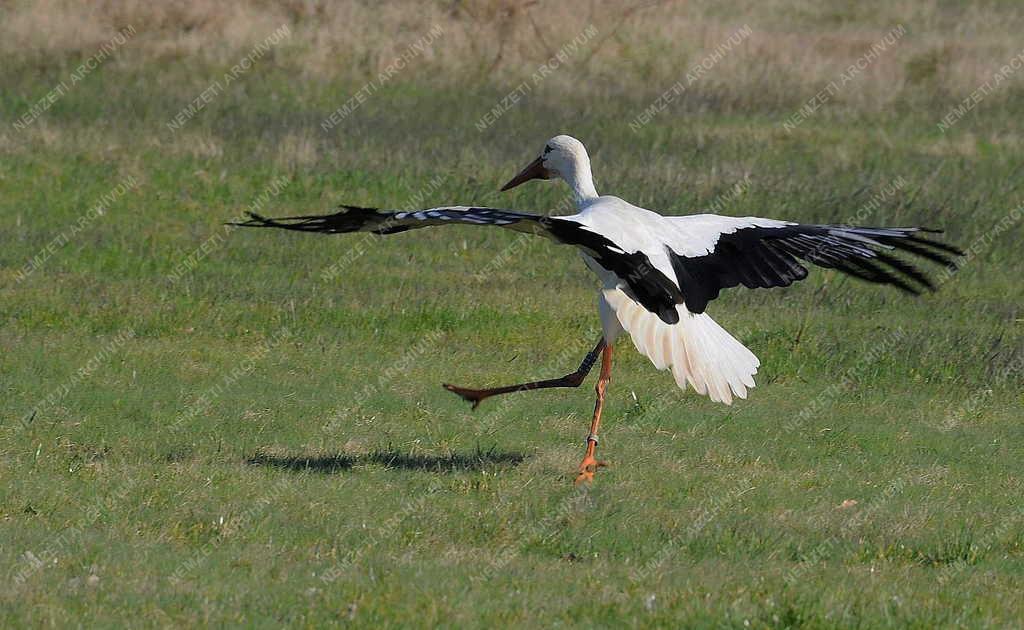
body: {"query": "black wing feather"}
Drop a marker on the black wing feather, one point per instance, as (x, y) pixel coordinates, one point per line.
(762, 257)
(651, 288)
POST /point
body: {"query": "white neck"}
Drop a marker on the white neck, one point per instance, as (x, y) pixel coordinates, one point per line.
(581, 181)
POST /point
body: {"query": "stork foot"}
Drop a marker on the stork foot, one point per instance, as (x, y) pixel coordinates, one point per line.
(587, 468)
(473, 396)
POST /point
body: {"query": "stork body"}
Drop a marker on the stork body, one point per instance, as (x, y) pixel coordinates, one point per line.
(659, 273)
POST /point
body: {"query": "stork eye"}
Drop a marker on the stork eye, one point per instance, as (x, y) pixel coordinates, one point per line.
(547, 149)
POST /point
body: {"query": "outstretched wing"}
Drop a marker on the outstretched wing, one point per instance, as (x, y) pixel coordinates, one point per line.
(356, 219)
(759, 253)
(655, 292)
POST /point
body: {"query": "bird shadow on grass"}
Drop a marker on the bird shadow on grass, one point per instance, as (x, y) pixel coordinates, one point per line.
(391, 458)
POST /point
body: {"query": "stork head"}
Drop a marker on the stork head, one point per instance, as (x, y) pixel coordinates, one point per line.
(563, 156)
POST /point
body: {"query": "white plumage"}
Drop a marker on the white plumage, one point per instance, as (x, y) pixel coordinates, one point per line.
(696, 349)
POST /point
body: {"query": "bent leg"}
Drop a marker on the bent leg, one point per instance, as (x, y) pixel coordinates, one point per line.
(574, 379)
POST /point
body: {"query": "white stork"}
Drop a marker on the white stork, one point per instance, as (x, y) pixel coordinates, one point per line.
(658, 273)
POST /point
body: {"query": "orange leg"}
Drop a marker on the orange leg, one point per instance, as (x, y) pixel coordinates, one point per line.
(589, 465)
(569, 380)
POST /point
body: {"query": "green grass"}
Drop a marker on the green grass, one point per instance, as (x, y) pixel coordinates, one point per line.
(270, 447)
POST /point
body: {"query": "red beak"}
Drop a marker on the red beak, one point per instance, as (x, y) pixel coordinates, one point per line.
(534, 170)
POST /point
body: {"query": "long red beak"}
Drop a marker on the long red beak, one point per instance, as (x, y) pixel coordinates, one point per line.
(534, 170)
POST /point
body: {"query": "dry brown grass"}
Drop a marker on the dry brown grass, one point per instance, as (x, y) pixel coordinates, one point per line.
(795, 43)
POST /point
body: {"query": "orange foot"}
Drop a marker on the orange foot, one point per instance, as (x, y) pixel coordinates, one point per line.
(588, 467)
(469, 395)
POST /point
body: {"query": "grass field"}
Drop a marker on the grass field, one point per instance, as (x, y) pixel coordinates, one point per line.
(201, 425)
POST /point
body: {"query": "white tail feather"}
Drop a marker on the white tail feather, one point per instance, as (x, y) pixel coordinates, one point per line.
(697, 349)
